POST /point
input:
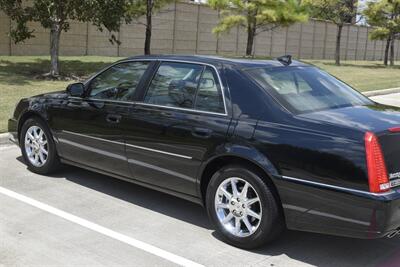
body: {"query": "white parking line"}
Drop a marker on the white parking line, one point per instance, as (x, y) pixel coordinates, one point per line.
(102, 230)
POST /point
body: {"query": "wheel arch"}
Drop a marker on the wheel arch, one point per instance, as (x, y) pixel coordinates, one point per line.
(257, 163)
(25, 116)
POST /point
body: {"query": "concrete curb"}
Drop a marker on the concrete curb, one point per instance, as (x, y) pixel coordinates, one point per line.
(5, 139)
(382, 92)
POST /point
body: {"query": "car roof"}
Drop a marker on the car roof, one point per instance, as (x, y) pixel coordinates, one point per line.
(216, 60)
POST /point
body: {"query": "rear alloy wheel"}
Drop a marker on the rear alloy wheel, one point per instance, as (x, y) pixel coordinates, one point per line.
(238, 207)
(37, 146)
(243, 207)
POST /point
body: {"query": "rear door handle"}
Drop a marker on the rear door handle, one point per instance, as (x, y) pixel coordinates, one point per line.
(113, 118)
(201, 132)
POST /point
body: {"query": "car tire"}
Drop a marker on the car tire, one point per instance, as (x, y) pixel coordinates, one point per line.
(38, 147)
(225, 208)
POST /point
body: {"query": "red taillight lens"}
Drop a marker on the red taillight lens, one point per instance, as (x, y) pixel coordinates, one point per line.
(395, 130)
(377, 173)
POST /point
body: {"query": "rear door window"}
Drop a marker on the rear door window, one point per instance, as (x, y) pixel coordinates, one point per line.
(174, 84)
(209, 96)
(186, 85)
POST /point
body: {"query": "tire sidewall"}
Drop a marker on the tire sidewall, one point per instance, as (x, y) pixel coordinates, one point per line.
(270, 211)
(52, 159)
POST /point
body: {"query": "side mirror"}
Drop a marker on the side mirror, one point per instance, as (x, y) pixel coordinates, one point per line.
(76, 89)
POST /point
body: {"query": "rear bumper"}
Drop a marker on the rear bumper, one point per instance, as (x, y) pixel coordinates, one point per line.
(330, 210)
(13, 130)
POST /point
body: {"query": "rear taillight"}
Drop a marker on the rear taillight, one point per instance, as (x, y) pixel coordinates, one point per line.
(377, 173)
(394, 130)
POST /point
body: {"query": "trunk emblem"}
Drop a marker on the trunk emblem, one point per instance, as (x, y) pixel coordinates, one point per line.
(394, 175)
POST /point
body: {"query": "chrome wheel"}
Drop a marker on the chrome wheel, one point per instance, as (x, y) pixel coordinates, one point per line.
(36, 146)
(238, 207)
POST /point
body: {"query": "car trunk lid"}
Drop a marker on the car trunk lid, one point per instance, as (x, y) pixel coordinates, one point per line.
(390, 143)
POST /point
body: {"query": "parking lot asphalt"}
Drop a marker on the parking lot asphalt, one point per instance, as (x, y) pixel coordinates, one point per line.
(76, 217)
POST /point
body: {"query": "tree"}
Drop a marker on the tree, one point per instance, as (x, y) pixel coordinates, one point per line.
(338, 12)
(147, 8)
(56, 16)
(257, 16)
(384, 16)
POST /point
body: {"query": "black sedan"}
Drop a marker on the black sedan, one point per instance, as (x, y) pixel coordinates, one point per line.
(263, 145)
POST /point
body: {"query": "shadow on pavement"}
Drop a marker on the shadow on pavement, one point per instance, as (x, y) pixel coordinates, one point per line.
(309, 248)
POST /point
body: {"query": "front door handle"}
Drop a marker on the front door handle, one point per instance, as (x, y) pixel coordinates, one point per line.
(113, 118)
(202, 132)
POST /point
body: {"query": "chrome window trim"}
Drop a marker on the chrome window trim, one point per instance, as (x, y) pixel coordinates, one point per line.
(102, 100)
(183, 109)
(223, 91)
(340, 188)
(134, 146)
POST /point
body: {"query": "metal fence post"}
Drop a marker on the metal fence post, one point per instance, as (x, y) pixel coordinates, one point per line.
(87, 39)
(272, 44)
(198, 29)
(286, 40)
(237, 40)
(373, 56)
(356, 52)
(300, 37)
(174, 30)
(313, 39)
(9, 39)
(366, 45)
(325, 40)
(347, 42)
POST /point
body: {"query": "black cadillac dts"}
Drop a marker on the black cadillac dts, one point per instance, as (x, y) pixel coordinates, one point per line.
(263, 145)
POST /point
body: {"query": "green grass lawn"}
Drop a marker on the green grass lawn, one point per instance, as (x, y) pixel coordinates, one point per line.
(18, 76)
(362, 75)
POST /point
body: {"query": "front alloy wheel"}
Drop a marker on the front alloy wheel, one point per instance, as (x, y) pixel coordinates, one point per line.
(36, 146)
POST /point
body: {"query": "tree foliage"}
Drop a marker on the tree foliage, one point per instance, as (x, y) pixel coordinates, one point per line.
(56, 15)
(257, 16)
(384, 16)
(338, 12)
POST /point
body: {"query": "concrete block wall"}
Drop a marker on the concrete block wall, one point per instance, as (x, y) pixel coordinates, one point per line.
(186, 28)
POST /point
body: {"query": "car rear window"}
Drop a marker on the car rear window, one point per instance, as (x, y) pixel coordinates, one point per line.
(307, 89)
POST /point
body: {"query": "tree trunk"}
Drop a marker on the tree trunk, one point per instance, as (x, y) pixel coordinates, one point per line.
(55, 33)
(392, 51)
(147, 42)
(338, 40)
(386, 58)
(251, 33)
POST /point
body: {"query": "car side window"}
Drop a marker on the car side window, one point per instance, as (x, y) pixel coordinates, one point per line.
(119, 82)
(174, 84)
(209, 96)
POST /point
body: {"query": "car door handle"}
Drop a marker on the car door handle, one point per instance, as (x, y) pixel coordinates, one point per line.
(113, 118)
(201, 132)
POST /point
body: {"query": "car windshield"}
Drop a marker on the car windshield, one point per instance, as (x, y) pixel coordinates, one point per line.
(307, 89)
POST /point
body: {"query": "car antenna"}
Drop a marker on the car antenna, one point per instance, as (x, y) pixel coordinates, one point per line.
(285, 60)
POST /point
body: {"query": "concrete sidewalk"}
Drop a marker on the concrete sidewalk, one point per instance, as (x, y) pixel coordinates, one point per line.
(392, 99)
